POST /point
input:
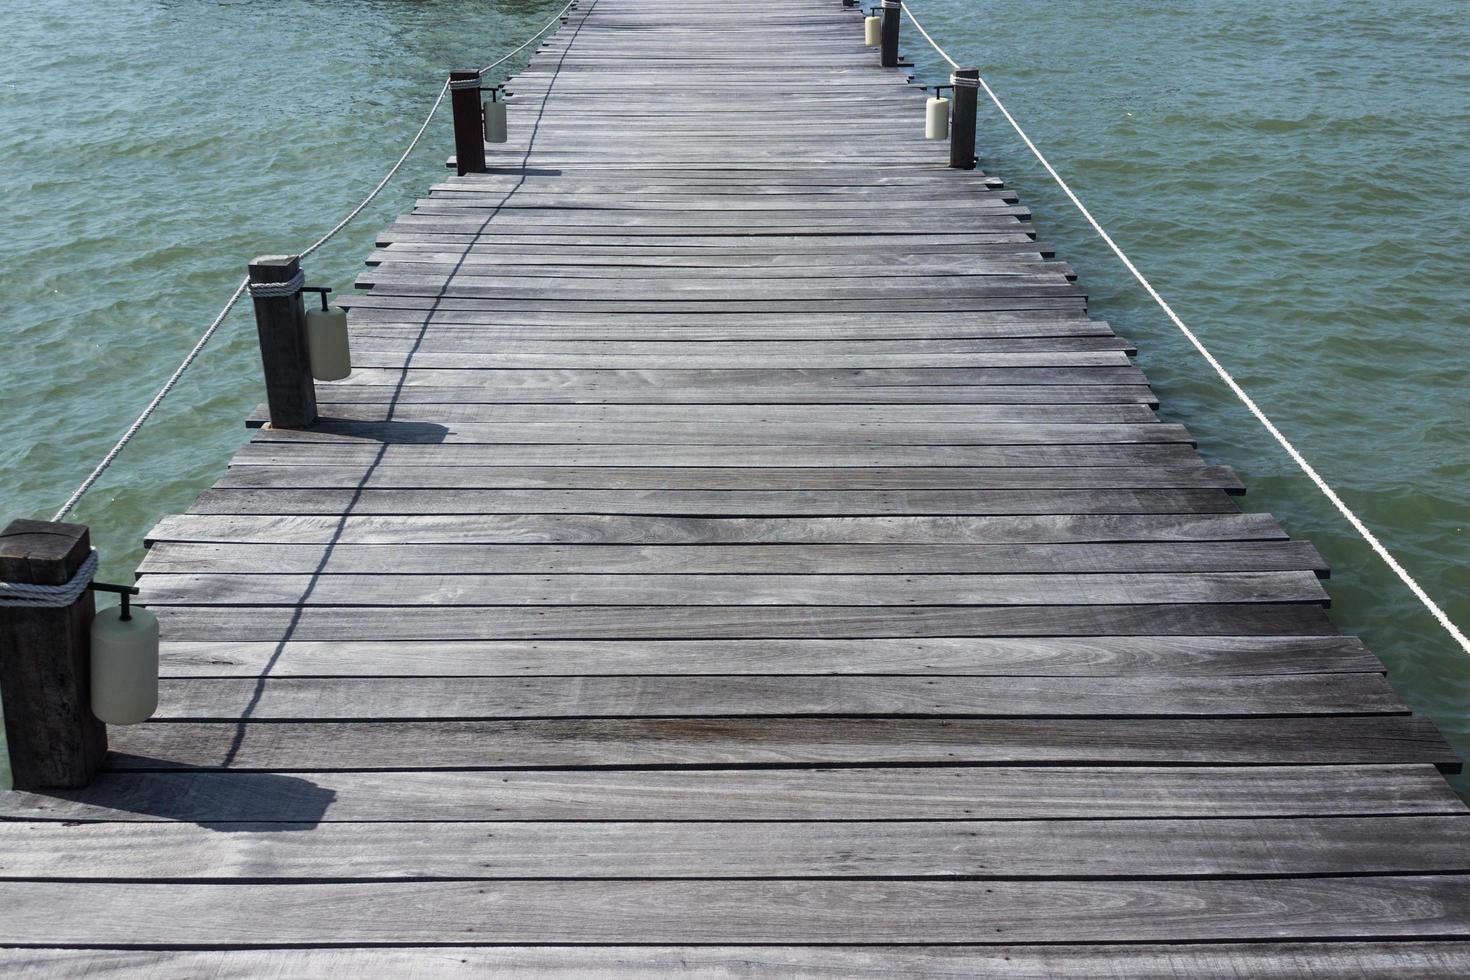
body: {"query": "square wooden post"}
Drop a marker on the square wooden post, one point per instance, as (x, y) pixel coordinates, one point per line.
(888, 49)
(280, 321)
(45, 661)
(469, 121)
(962, 129)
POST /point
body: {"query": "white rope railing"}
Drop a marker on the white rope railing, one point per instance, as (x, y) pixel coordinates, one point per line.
(504, 58)
(219, 318)
(1296, 456)
(932, 43)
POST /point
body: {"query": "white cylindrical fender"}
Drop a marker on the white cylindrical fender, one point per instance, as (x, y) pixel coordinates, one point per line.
(936, 119)
(124, 666)
(495, 131)
(326, 344)
(872, 31)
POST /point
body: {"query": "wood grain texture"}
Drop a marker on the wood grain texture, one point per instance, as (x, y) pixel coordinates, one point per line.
(534, 744)
(305, 698)
(739, 552)
(732, 911)
(312, 622)
(1094, 656)
(827, 502)
(350, 528)
(725, 850)
(1399, 960)
(450, 559)
(809, 793)
(695, 590)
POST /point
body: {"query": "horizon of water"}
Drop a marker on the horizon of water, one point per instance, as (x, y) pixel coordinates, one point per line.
(1289, 176)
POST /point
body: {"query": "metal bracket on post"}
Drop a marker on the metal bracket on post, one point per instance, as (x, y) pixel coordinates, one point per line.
(888, 49)
(276, 282)
(966, 83)
(469, 139)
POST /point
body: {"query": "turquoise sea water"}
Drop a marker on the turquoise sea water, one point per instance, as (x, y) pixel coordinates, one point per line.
(1291, 177)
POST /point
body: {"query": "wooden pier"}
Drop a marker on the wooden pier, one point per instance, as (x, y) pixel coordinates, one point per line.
(738, 552)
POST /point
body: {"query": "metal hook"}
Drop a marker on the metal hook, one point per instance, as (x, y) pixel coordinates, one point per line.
(126, 591)
(324, 290)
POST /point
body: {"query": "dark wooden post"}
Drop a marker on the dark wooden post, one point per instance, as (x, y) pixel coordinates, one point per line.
(280, 321)
(45, 661)
(892, 11)
(469, 121)
(962, 126)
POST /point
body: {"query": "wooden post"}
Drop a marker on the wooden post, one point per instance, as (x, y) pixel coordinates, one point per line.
(45, 661)
(469, 121)
(280, 321)
(892, 11)
(962, 126)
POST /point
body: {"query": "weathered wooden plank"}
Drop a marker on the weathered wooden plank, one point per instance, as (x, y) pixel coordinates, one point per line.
(729, 589)
(876, 793)
(731, 434)
(903, 293)
(597, 850)
(452, 218)
(933, 415)
(629, 529)
(1102, 656)
(468, 360)
(689, 211)
(264, 451)
(854, 380)
(666, 481)
(377, 337)
(772, 243)
(386, 389)
(310, 622)
(544, 743)
(1396, 960)
(124, 914)
(381, 338)
(717, 502)
(979, 333)
(454, 559)
(761, 253)
(391, 265)
(428, 297)
(587, 201)
(428, 698)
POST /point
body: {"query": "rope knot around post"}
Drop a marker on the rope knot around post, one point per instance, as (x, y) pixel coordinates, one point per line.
(277, 290)
(30, 595)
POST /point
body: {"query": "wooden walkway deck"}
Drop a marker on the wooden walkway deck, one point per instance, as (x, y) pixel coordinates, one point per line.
(739, 552)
